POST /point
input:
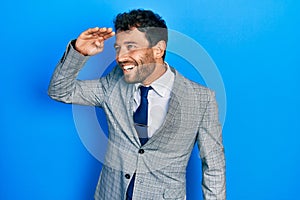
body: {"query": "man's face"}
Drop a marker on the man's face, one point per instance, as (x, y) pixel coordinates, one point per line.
(135, 57)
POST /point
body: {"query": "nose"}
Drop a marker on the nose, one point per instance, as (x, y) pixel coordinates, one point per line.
(121, 54)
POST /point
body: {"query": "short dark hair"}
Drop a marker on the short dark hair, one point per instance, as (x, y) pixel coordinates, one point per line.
(146, 21)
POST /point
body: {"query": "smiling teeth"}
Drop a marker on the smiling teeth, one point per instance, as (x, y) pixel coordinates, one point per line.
(128, 67)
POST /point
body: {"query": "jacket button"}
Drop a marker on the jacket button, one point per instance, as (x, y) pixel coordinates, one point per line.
(141, 151)
(127, 176)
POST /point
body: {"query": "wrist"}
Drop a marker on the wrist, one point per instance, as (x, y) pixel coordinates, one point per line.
(73, 43)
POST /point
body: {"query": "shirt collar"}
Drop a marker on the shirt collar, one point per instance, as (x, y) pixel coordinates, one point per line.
(163, 85)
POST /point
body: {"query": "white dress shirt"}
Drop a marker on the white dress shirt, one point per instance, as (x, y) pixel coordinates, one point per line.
(158, 100)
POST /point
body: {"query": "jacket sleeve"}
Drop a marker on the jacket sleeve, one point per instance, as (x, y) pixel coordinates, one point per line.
(66, 88)
(212, 152)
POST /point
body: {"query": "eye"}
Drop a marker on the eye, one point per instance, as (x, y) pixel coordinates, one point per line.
(131, 46)
(117, 49)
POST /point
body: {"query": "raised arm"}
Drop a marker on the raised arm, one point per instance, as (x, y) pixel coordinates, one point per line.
(64, 86)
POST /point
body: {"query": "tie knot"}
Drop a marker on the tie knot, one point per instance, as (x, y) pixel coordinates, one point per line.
(144, 91)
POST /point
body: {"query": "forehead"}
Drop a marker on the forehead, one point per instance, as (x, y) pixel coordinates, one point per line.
(131, 36)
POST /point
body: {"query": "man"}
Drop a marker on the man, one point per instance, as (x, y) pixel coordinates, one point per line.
(154, 114)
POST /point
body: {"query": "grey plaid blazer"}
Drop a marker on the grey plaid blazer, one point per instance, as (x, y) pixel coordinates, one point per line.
(160, 165)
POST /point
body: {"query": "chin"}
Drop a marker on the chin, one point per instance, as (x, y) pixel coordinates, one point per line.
(130, 81)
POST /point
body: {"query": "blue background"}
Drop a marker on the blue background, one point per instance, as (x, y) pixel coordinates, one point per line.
(255, 45)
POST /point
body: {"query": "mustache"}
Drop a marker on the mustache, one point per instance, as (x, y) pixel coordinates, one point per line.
(127, 62)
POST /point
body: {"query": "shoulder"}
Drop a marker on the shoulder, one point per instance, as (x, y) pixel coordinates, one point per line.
(190, 86)
(114, 75)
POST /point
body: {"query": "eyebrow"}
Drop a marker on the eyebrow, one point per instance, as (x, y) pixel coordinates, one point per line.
(129, 42)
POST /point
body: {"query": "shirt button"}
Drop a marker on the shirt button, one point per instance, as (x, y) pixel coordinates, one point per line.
(127, 176)
(141, 151)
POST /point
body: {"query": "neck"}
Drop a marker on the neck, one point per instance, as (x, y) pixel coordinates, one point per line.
(160, 69)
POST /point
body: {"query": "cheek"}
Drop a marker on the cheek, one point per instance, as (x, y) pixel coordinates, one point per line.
(147, 57)
(141, 57)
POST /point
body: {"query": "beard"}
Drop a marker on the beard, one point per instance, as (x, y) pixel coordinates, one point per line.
(141, 73)
(138, 70)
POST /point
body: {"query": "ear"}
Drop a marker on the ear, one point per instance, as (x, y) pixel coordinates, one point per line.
(159, 49)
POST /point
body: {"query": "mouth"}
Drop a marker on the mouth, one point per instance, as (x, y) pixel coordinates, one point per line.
(127, 67)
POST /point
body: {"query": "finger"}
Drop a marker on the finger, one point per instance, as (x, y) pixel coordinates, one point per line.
(109, 35)
(100, 31)
(106, 33)
(97, 33)
(98, 43)
(104, 30)
(92, 30)
(89, 33)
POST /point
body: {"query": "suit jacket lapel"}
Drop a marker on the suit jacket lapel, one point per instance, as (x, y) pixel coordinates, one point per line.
(129, 108)
(120, 101)
(173, 109)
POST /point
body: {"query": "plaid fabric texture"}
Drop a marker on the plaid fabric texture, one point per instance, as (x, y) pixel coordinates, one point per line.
(160, 165)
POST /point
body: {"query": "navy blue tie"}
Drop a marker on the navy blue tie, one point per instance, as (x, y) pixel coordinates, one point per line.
(140, 118)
